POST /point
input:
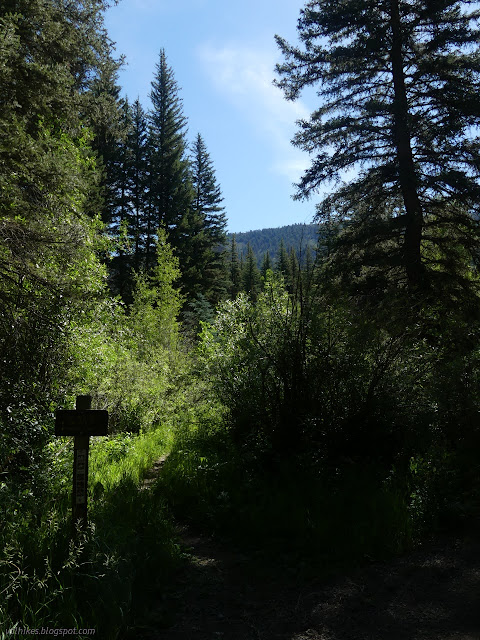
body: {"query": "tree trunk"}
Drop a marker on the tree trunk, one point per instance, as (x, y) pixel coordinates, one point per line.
(406, 168)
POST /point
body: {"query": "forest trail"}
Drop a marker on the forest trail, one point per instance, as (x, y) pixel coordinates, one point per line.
(221, 593)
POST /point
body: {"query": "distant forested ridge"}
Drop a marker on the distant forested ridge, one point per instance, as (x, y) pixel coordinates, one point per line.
(296, 236)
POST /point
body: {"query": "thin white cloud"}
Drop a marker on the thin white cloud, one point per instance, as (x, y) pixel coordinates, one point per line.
(148, 5)
(164, 6)
(244, 76)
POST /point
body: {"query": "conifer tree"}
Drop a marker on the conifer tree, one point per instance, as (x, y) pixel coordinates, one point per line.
(138, 175)
(293, 269)
(170, 188)
(235, 270)
(309, 262)
(399, 83)
(50, 54)
(108, 119)
(266, 264)
(208, 196)
(204, 228)
(129, 221)
(241, 264)
(194, 252)
(251, 275)
(119, 209)
(282, 263)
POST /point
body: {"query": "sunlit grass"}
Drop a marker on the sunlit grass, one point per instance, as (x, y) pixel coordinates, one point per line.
(126, 456)
(94, 579)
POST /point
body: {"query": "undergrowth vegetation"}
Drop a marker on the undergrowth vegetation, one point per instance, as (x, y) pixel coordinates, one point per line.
(99, 576)
(134, 366)
(340, 439)
(299, 434)
(288, 513)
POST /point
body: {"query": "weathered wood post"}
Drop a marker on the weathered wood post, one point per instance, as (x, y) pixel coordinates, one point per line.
(81, 423)
(81, 446)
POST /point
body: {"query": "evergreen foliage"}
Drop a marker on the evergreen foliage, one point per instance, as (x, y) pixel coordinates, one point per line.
(298, 236)
(266, 264)
(235, 269)
(170, 186)
(251, 275)
(108, 122)
(128, 225)
(138, 173)
(50, 56)
(398, 82)
(203, 264)
(283, 265)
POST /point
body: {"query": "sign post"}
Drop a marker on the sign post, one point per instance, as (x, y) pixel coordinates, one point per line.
(81, 423)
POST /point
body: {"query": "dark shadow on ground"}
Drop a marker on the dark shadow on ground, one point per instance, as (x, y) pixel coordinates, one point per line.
(430, 594)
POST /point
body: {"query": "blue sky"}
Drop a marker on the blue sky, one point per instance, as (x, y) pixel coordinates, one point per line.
(223, 55)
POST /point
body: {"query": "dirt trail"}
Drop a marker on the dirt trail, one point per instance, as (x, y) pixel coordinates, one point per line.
(430, 594)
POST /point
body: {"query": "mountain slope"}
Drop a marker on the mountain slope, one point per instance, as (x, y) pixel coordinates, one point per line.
(298, 236)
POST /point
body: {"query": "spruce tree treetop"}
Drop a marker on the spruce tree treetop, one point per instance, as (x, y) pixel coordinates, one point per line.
(205, 228)
(208, 195)
(399, 84)
(169, 123)
(170, 187)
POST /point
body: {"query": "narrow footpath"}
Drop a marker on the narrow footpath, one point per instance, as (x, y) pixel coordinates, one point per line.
(432, 593)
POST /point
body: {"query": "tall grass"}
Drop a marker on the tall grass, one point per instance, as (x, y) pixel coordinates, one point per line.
(122, 456)
(95, 580)
(323, 519)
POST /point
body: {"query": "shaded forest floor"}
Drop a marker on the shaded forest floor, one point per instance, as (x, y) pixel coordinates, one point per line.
(432, 593)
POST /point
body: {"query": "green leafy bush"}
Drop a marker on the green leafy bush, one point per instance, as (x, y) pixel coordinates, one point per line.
(297, 374)
(291, 513)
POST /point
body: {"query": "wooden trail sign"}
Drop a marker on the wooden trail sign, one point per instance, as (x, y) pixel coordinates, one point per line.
(82, 423)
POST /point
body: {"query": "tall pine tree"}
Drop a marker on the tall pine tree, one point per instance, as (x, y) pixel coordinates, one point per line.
(399, 83)
(204, 267)
(266, 264)
(234, 270)
(170, 187)
(106, 116)
(251, 275)
(138, 174)
(282, 263)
